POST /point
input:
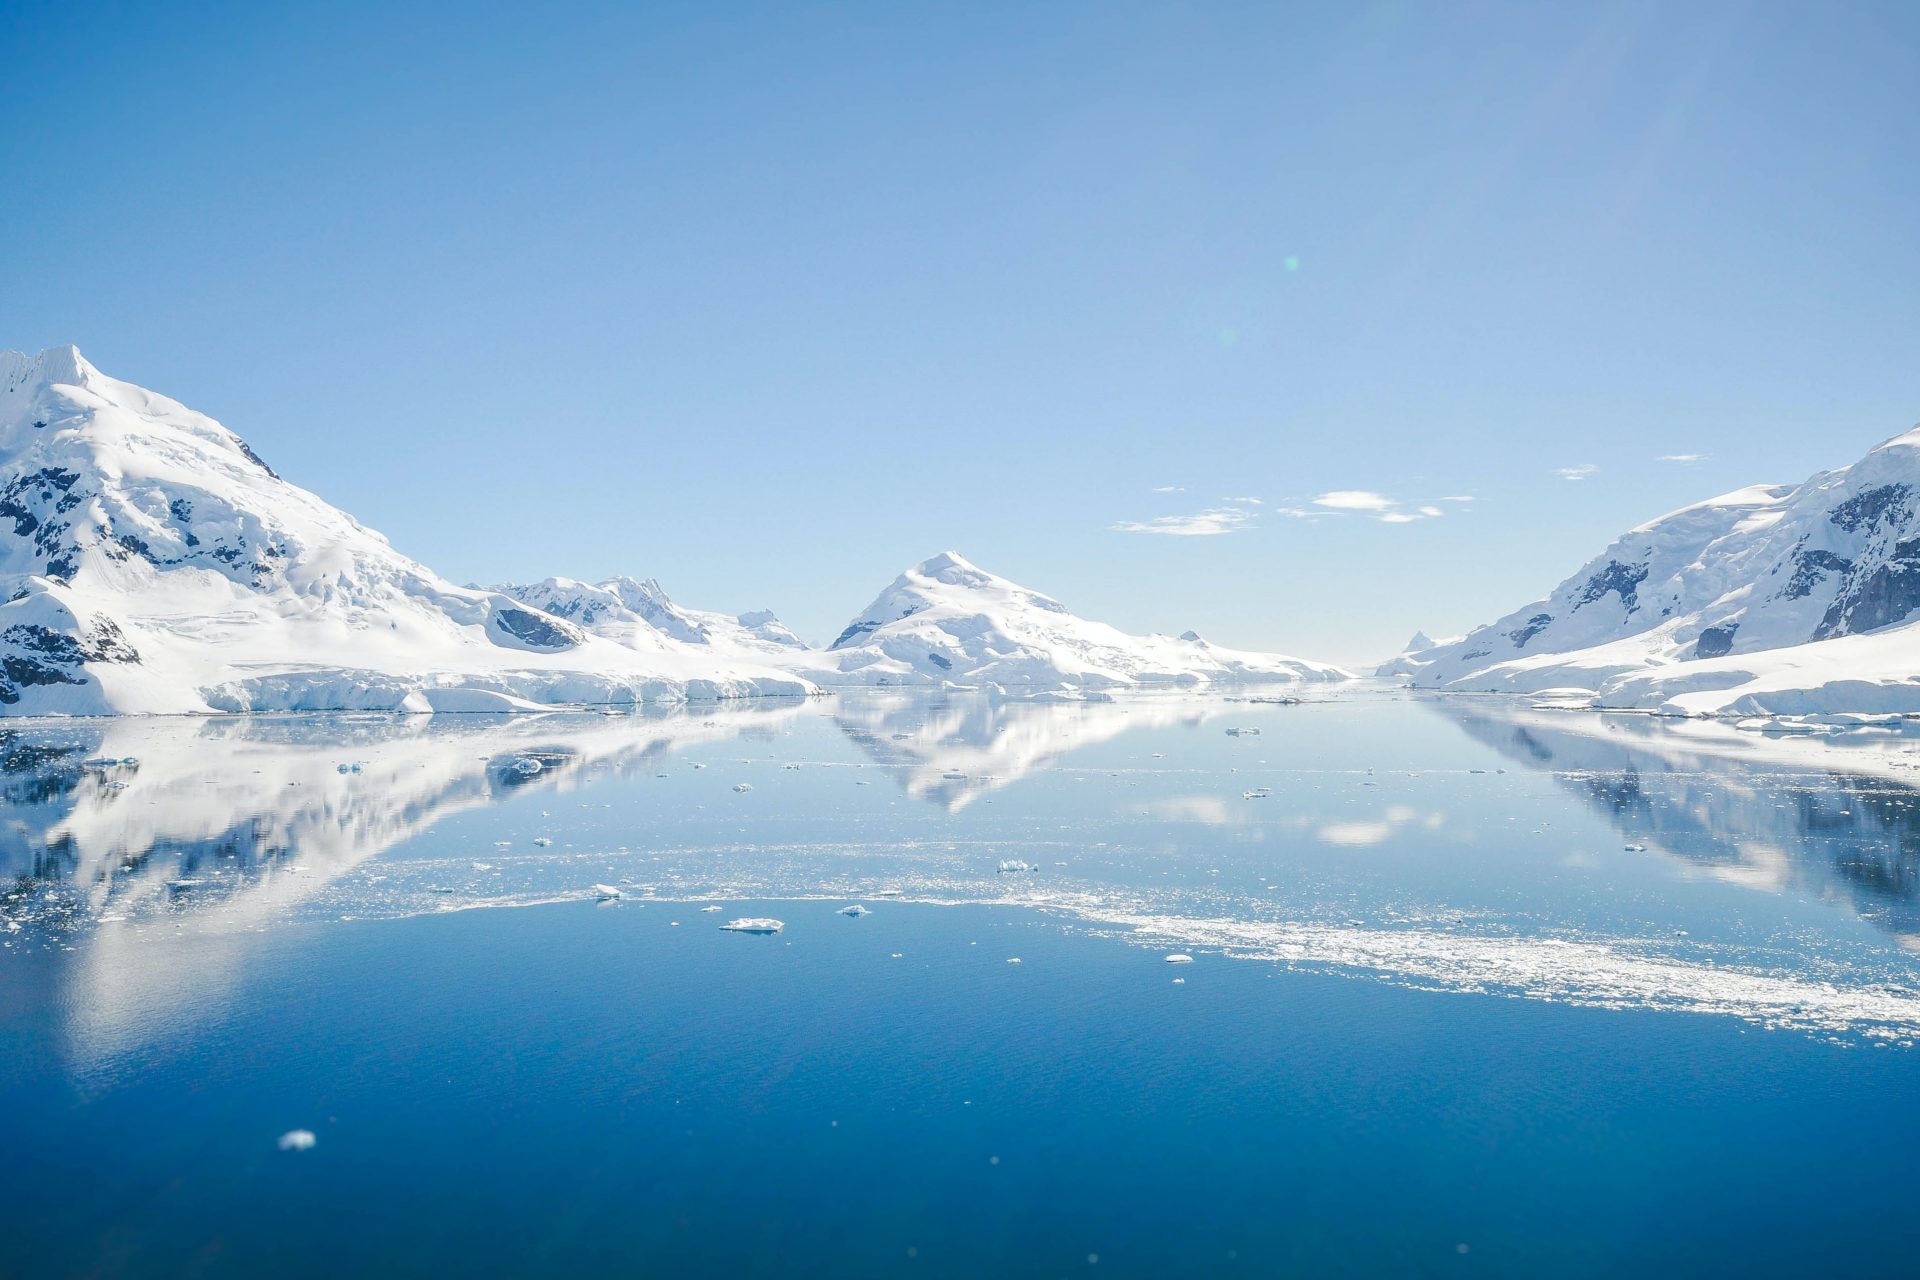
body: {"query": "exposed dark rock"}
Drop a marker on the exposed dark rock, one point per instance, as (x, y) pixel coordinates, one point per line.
(1716, 642)
(1535, 625)
(255, 458)
(856, 630)
(940, 660)
(1620, 579)
(530, 628)
(1883, 597)
(1810, 568)
(1869, 506)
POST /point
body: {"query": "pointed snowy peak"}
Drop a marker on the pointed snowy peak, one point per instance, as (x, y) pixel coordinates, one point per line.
(1419, 643)
(946, 620)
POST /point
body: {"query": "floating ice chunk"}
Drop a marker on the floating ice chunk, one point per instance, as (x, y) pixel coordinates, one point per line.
(1248, 732)
(1013, 959)
(855, 910)
(1256, 793)
(606, 892)
(710, 908)
(754, 924)
(542, 841)
(743, 786)
(1014, 864)
(526, 766)
(297, 1140)
(1179, 957)
(1179, 982)
(483, 866)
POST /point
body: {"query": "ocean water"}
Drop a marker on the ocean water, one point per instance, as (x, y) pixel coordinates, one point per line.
(1474, 989)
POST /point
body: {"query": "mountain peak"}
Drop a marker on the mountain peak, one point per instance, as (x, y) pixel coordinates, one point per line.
(945, 562)
(52, 367)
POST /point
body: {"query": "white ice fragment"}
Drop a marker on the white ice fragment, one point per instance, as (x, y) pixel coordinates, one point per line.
(1179, 957)
(606, 892)
(754, 924)
(542, 841)
(1015, 864)
(854, 910)
(526, 766)
(297, 1140)
(743, 786)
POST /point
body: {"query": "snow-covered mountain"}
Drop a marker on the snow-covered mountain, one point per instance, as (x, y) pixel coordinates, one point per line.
(637, 612)
(1772, 599)
(152, 562)
(945, 621)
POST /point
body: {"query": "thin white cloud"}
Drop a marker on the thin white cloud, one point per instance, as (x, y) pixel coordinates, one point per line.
(1681, 457)
(1580, 472)
(1252, 501)
(1170, 488)
(1201, 524)
(1365, 502)
(1457, 497)
(1355, 500)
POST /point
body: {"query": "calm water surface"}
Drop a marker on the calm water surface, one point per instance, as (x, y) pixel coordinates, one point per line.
(1475, 989)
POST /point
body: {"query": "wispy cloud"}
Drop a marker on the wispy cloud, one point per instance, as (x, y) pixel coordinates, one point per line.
(1457, 497)
(1355, 500)
(1376, 505)
(1253, 501)
(1580, 472)
(1170, 488)
(1201, 524)
(1681, 457)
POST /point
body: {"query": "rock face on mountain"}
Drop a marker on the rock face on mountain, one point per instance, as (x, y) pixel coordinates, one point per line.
(637, 612)
(1784, 599)
(946, 621)
(150, 561)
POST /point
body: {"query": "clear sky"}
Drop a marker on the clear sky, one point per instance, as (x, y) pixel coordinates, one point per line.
(773, 301)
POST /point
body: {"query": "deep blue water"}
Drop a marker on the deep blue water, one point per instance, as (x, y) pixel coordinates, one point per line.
(1702, 1065)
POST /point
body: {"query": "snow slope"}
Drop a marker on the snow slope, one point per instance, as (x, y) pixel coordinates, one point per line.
(946, 621)
(151, 562)
(1772, 599)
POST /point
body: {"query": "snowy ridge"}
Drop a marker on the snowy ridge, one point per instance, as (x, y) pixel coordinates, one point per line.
(946, 621)
(638, 612)
(1771, 599)
(156, 564)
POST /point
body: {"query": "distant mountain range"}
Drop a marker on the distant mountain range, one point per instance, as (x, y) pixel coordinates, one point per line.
(1776, 599)
(152, 562)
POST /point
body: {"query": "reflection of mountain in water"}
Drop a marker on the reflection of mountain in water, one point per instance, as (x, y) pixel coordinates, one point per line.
(180, 837)
(1835, 816)
(952, 752)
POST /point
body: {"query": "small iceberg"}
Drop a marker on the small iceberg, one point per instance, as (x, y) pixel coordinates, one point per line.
(606, 892)
(710, 908)
(297, 1140)
(1010, 865)
(855, 910)
(1256, 793)
(1179, 957)
(526, 766)
(754, 924)
(743, 787)
(1248, 732)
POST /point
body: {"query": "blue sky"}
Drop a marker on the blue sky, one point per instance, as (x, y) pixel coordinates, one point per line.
(772, 301)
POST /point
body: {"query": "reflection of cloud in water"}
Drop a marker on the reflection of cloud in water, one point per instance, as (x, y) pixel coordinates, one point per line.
(1838, 816)
(952, 751)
